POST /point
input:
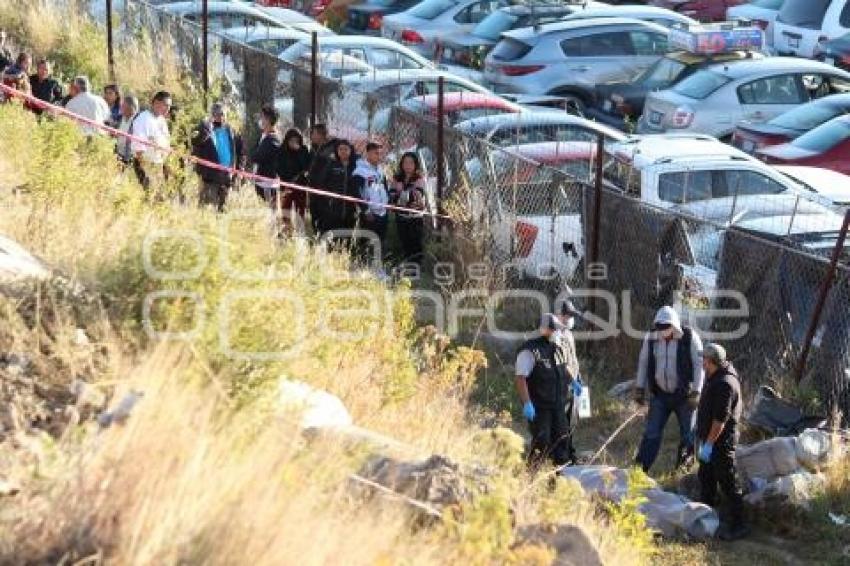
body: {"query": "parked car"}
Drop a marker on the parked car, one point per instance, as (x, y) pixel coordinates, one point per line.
(830, 187)
(802, 24)
(377, 52)
(225, 15)
(654, 14)
(396, 86)
(269, 39)
(569, 59)
(620, 102)
(762, 13)
(468, 49)
(368, 17)
(420, 26)
(827, 146)
(535, 127)
(835, 52)
(332, 13)
(750, 137)
(713, 100)
(702, 10)
(461, 106)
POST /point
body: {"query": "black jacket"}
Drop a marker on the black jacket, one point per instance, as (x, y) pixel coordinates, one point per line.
(48, 90)
(203, 146)
(320, 158)
(293, 164)
(267, 155)
(720, 401)
(548, 381)
(338, 178)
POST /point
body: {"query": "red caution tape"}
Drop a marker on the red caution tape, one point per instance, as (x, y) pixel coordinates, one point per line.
(34, 102)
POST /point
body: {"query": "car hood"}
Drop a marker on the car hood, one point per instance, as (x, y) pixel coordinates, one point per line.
(831, 184)
(751, 207)
(787, 152)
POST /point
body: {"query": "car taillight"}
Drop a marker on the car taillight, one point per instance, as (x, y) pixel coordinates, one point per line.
(410, 36)
(526, 235)
(682, 117)
(375, 21)
(520, 70)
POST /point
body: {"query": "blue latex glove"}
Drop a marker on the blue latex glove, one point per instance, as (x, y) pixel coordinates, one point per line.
(577, 386)
(528, 411)
(705, 452)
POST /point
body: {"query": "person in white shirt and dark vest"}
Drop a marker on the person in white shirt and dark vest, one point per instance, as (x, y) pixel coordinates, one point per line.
(548, 384)
(669, 373)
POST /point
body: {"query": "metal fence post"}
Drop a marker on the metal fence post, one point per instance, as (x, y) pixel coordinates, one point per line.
(440, 143)
(205, 77)
(110, 54)
(597, 214)
(826, 285)
(314, 77)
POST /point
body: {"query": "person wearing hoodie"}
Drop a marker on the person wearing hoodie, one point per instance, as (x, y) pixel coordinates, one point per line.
(266, 155)
(322, 151)
(719, 413)
(292, 168)
(548, 383)
(408, 190)
(214, 140)
(670, 374)
(370, 184)
(334, 213)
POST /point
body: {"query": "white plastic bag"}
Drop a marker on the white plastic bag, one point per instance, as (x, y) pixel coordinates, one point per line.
(584, 403)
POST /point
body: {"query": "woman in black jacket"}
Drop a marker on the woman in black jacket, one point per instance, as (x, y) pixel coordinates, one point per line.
(266, 155)
(292, 168)
(337, 214)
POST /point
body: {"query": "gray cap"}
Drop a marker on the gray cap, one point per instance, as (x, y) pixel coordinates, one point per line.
(714, 352)
(551, 322)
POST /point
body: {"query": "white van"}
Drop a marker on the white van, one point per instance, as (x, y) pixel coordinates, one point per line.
(802, 24)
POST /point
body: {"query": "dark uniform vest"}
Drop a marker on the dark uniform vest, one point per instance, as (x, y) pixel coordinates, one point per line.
(548, 380)
(684, 363)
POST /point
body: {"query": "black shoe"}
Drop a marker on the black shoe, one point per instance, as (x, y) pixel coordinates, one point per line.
(731, 533)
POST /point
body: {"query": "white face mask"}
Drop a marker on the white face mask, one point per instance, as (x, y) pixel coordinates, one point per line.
(571, 323)
(553, 337)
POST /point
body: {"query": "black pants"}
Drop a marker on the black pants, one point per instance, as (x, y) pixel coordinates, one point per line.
(721, 471)
(213, 194)
(411, 233)
(552, 435)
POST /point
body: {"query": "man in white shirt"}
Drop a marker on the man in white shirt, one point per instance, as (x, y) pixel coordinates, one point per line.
(152, 126)
(87, 105)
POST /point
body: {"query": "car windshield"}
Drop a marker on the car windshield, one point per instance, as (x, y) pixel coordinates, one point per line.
(510, 50)
(807, 117)
(700, 84)
(768, 4)
(294, 52)
(662, 74)
(493, 25)
(430, 9)
(825, 137)
(804, 13)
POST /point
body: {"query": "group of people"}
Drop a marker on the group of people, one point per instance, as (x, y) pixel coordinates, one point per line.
(351, 192)
(676, 374)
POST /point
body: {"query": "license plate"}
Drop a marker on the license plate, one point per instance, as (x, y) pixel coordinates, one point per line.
(829, 61)
(655, 117)
(607, 105)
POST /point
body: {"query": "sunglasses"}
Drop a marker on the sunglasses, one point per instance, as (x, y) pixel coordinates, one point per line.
(663, 326)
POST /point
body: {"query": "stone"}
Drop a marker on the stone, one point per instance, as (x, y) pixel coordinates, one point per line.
(16, 263)
(622, 391)
(120, 412)
(436, 480)
(572, 545)
(8, 488)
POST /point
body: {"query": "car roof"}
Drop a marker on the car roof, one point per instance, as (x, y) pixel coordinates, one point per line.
(643, 151)
(401, 76)
(826, 182)
(554, 118)
(247, 33)
(746, 68)
(361, 40)
(545, 8)
(463, 100)
(195, 7)
(525, 34)
(637, 12)
(550, 153)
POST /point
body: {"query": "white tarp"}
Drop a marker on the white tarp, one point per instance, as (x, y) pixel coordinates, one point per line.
(317, 409)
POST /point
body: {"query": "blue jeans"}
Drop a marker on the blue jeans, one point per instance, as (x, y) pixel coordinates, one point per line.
(660, 407)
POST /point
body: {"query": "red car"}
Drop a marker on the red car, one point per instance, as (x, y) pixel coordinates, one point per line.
(827, 146)
(702, 10)
(460, 106)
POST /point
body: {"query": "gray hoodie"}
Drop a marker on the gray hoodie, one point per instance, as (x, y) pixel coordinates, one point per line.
(665, 355)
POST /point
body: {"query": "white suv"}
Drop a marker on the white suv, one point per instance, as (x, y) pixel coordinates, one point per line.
(802, 24)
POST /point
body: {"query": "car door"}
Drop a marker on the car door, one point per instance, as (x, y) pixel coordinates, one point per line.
(593, 58)
(765, 98)
(648, 47)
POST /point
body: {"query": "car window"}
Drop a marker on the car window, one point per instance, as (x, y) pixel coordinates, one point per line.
(838, 85)
(475, 13)
(701, 84)
(272, 45)
(781, 89)
(824, 137)
(510, 50)
(430, 9)
(646, 43)
(685, 186)
(662, 74)
(599, 45)
(744, 183)
(386, 59)
(804, 13)
(844, 18)
(493, 25)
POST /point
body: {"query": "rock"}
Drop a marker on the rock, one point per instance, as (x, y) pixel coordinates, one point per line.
(814, 449)
(17, 264)
(81, 338)
(622, 391)
(317, 409)
(436, 481)
(797, 489)
(573, 546)
(120, 412)
(8, 488)
(768, 459)
(88, 397)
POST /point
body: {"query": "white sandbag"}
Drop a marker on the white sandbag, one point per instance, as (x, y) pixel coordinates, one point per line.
(672, 515)
(768, 459)
(608, 481)
(317, 408)
(797, 489)
(813, 449)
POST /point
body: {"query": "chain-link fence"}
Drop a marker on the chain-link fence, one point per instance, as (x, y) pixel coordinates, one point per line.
(522, 191)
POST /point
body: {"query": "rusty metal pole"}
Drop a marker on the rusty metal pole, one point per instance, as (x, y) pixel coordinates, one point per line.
(205, 77)
(826, 285)
(441, 149)
(110, 53)
(314, 78)
(593, 256)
